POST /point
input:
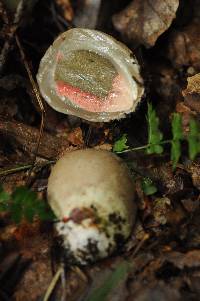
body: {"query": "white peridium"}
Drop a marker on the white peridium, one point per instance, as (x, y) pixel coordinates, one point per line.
(83, 244)
(92, 194)
(127, 88)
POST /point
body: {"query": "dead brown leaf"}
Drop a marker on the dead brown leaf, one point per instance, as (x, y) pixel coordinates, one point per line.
(104, 146)
(192, 93)
(142, 22)
(186, 114)
(75, 137)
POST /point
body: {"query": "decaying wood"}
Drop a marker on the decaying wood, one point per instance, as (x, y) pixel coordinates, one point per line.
(27, 136)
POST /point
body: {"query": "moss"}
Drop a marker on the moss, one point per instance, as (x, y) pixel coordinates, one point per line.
(88, 71)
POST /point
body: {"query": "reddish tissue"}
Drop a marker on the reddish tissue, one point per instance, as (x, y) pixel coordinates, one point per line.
(93, 103)
(83, 99)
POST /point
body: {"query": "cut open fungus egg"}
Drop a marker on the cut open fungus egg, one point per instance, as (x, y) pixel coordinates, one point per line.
(92, 194)
(89, 74)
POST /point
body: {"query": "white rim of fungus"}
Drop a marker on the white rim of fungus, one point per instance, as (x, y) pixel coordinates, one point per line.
(85, 39)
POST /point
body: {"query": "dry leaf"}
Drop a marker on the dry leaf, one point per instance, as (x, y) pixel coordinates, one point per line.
(186, 114)
(144, 21)
(76, 137)
(192, 93)
(104, 146)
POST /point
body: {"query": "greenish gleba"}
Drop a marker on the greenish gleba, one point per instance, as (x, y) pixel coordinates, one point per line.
(87, 71)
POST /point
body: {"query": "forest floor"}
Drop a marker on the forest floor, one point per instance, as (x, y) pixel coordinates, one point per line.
(161, 259)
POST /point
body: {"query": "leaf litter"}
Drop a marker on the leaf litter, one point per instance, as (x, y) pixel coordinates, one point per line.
(161, 260)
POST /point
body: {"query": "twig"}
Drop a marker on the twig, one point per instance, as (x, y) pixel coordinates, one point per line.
(39, 100)
(6, 172)
(53, 284)
(4, 16)
(140, 244)
(80, 273)
(15, 169)
(63, 282)
(143, 147)
(6, 47)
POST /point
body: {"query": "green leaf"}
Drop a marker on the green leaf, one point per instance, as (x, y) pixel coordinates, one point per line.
(4, 200)
(177, 131)
(27, 205)
(175, 152)
(193, 139)
(4, 206)
(24, 204)
(46, 215)
(4, 196)
(20, 194)
(101, 293)
(154, 134)
(43, 211)
(148, 186)
(16, 212)
(19, 197)
(121, 144)
(177, 136)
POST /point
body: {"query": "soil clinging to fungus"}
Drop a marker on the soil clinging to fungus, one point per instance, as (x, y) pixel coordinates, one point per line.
(92, 194)
(91, 75)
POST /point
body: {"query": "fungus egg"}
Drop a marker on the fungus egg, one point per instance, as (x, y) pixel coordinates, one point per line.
(92, 194)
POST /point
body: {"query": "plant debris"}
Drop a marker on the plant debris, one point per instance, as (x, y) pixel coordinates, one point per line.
(159, 142)
(142, 22)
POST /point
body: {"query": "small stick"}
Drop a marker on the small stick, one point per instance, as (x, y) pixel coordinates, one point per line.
(33, 83)
(53, 284)
(6, 172)
(13, 28)
(15, 169)
(63, 281)
(140, 244)
(37, 94)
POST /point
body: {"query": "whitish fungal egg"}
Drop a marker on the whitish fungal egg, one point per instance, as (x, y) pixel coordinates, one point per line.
(91, 75)
(92, 194)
